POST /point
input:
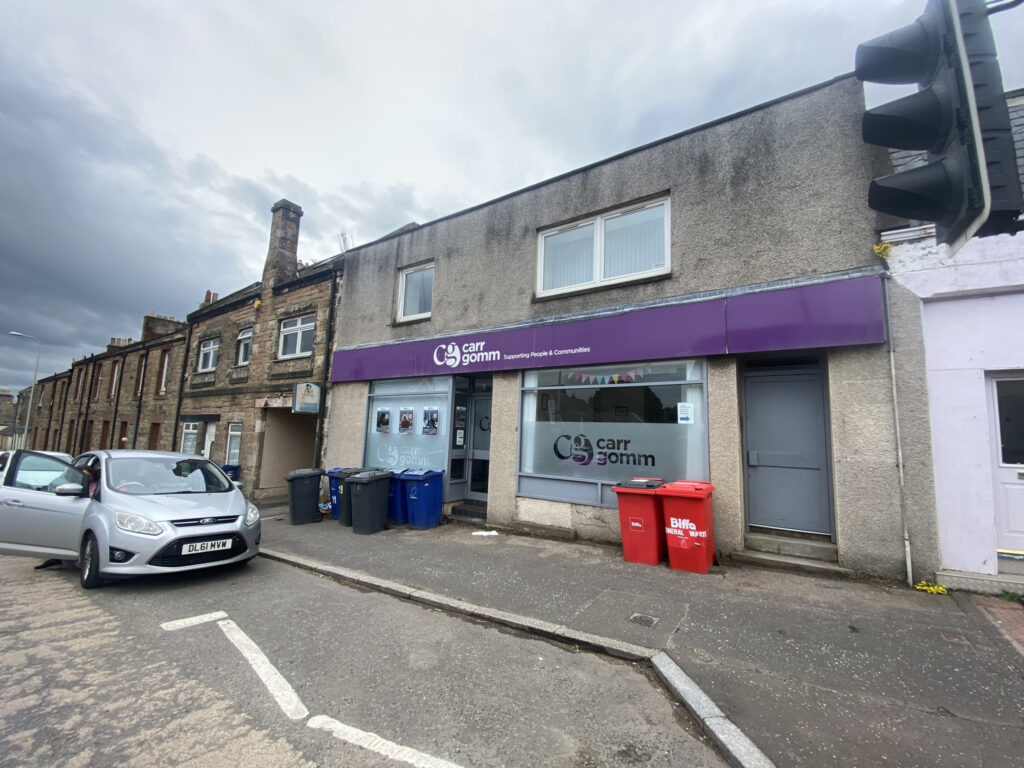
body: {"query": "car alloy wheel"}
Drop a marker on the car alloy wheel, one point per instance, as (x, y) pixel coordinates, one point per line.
(90, 574)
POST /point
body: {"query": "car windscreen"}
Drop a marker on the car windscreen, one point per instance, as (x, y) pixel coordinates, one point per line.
(144, 475)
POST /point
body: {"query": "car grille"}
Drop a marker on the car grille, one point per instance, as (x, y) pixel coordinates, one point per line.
(199, 521)
(171, 557)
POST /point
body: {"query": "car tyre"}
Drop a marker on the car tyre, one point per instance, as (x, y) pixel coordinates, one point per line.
(89, 575)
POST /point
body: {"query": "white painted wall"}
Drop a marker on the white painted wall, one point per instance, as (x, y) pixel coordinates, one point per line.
(973, 318)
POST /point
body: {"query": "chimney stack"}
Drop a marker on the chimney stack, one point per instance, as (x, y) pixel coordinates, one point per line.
(282, 262)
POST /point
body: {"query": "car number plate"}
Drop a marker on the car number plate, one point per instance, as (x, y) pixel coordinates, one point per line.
(198, 547)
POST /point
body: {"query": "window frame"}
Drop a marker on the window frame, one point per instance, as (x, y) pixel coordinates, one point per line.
(207, 355)
(298, 330)
(234, 436)
(599, 222)
(190, 428)
(400, 315)
(115, 371)
(243, 341)
(165, 363)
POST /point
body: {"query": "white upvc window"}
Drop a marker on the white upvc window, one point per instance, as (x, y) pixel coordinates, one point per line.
(243, 347)
(617, 247)
(165, 357)
(208, 355)
(189, 437)
(234, 444)
(415, 292)
(296, 338)
(141, 375)
(115, 370)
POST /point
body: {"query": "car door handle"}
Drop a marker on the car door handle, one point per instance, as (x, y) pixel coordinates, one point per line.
(13, 503)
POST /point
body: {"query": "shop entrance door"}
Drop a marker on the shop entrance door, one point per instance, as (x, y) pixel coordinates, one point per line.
(1008, 410)
(479, 446)
(785, 441)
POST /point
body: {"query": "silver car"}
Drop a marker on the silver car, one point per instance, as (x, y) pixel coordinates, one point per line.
(150, 512)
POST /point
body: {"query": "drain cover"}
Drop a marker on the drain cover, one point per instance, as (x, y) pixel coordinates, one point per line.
(643, 619)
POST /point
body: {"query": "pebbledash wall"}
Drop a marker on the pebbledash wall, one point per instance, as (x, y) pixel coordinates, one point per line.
(769, 288)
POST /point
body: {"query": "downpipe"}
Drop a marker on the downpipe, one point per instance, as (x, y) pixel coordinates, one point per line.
(886, 277)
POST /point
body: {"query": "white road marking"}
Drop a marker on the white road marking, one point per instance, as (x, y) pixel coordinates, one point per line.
(279, 688)
(375, 743)
(170, 626)
(293, 707)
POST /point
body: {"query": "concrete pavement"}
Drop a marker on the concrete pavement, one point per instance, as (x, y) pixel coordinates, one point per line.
(778, 667)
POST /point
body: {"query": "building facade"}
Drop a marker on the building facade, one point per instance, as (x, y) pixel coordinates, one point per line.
(257, 366)
(706, 307)
(970, 306)
(241, 381)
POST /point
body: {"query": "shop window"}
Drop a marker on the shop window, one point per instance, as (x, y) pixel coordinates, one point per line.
(296, 339)
(243, 347)
(208, 351)
(189, 437)
(615, 247)
(408, 423)
(234, 444)
(585, 429)
(415, 292)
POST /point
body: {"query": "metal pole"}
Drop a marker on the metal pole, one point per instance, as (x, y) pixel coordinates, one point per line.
(32, 392)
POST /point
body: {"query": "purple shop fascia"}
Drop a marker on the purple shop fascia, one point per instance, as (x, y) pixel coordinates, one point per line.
(831, 314)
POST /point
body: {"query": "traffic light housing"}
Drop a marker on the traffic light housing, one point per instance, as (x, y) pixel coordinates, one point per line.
(958, 116)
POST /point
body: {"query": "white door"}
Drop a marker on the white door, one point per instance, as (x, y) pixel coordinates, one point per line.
(211, 435)
(1008, 411)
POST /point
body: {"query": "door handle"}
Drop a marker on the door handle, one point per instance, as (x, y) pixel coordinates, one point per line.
(13, 503)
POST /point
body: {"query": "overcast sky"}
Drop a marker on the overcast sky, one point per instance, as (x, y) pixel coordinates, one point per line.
(143, 144)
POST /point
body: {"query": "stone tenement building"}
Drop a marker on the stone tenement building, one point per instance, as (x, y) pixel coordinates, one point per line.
(222, 383)
(124, 397)
(249, 353)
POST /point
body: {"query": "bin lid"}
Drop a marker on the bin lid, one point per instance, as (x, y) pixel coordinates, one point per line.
(647, 483)
(370, 476)
(421, 474)
(295, 474)
(344, 472)
(692, 489)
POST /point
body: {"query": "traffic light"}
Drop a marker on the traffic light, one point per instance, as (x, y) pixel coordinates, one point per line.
(958, 116)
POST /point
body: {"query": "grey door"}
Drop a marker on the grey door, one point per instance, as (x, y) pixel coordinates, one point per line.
(786, 462)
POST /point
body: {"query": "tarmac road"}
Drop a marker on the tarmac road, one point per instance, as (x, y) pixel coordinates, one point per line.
(106, 677)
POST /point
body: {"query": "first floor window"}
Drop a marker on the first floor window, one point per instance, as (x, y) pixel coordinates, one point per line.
(297, 336)
(611, 248)
(415, 292)
(234, 444)
(208, 355)
(586, 429)
(161, 379)
(243, 347)
(189, 437)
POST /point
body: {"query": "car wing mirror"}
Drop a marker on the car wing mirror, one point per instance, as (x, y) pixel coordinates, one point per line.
(70, 489)
(238, 484)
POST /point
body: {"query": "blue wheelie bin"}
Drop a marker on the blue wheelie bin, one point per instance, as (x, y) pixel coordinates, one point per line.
(424, 489)
(334, 483)
(398, 510)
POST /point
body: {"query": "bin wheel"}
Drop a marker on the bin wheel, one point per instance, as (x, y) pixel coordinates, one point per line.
(318, 517)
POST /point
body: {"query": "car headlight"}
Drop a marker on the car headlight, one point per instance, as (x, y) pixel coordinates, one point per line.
(252, 514)
(136, 524)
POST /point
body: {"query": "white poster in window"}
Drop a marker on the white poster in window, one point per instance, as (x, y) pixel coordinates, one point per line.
(684, 413)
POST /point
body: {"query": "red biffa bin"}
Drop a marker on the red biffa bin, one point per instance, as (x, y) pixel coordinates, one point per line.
(689, 525)
(640, 519)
